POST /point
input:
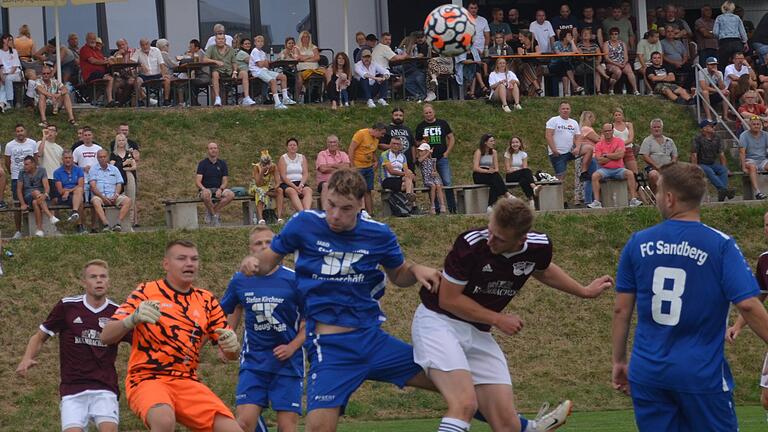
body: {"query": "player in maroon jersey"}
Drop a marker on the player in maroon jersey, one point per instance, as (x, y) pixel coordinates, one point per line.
(451, 329)
(733, 332)
(88, 386)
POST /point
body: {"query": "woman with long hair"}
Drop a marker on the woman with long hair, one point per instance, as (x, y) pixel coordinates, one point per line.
(11, 71)
(504, 83)
(337, 80)
(626, 131)
(529, 71)
(516, 167)
(25, 45)
(123, 160)
(616, 56)
(485, 169)
(309, 57)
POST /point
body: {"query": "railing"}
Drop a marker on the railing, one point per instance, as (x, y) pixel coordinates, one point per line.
(700, 102)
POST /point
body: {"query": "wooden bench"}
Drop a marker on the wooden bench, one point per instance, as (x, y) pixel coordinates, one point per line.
(473, 198)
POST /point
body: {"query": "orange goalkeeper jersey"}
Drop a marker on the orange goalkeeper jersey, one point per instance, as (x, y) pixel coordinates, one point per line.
(170, 347)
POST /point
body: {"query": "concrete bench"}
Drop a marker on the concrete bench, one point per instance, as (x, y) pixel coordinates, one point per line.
(28, 217)
(614, 193)
(762, 183)
(182, 214)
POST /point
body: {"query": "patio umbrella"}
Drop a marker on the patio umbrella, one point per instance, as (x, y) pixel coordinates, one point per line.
(56, 4)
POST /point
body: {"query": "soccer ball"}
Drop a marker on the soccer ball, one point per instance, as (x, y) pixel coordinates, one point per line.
(450, 29)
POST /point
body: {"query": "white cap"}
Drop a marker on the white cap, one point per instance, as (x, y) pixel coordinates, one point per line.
(425, 146)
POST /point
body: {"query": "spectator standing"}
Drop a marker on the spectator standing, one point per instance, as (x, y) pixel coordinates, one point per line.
(88, 379)
(711, 84)
(705, 37)
(431, 178)
(85, 153)
(516, 167)
(657, 150)
(543, 32)
(482, 29)
(50, 156)
(730, 33)
(760, 40)
(753, 153)
(440, 137)
(337, 80)
(591, 22)
(565, 21)
(9, 60)
(25, 45)
(609, 153)
(373, 79)
(498, 25)
(617, 61)
(619, 21)
(328, 162)
(15, 152)
(362, 153)
(397, 128)
(308, 65)
(93, 65)
(259, 68)
(562, 133)
(485, 170)
(708, 152)
(50, 91)
(515, 23)
(33, 191)
(294, 175)
(504, 83)
(219, 30)
(668, 17)
(582, 190)
(626, 132)
(212, 180)
(106, 190)
(70, 188)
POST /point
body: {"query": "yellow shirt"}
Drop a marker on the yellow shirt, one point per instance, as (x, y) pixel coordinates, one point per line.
(365, 153)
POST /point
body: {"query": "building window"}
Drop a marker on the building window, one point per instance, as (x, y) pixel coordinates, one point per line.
(132, 21)
(285, 18)
(72, 19)
(234, 15)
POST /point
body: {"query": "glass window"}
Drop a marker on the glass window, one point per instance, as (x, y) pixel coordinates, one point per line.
(280, 19)
(131, 21)
(72, 19)
(234, 15)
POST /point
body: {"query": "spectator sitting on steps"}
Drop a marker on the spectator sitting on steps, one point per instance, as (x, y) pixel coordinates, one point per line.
(753, 147)
(708, 152)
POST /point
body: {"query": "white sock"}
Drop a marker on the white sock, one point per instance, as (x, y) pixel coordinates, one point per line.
(285, 93)
(448, 424)
(277, 98)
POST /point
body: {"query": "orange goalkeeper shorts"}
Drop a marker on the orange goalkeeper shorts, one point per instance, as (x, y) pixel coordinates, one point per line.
(194, 404)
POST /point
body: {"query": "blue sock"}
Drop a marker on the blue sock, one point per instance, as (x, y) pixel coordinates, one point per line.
(523, 420)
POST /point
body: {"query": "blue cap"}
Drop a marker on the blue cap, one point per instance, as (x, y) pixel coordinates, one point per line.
(704, 123)
(711, 60)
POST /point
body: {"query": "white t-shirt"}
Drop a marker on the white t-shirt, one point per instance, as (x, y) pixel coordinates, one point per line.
(495, 77)
(731, 70)
(257, 55)
(51, 158)
(17, 152)
(517, 158)
(151, 60)
(212, 41)
(481, 27)
(542, 33)
(565, 133)
(381, 54)
(86, 156)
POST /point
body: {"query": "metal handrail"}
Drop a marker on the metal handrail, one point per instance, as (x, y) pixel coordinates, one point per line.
(700, 100)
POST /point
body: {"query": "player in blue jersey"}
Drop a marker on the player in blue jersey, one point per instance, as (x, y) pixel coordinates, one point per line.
(271, 362)
(683, 275)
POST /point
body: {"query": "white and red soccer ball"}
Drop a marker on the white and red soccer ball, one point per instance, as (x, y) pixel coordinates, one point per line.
(450, 29)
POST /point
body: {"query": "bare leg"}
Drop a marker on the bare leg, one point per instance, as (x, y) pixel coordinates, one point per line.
(497, 403)
(207, 198)
(293, 197)
(322, 420)
(306, 200)
(248, 416)
(226, 197)
(161, 418)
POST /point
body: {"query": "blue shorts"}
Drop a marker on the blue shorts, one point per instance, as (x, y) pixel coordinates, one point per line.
(367, 174)
(560, 163)
(612, 173)
(265, 388)
(340, 363)
(659, 409)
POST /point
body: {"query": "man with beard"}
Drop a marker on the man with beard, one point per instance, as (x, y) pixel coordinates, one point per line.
(397, 128)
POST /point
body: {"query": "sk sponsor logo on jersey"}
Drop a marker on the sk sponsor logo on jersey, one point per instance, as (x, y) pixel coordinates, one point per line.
(488, 269)
(265, 319)
(338, 267)
(523, 268)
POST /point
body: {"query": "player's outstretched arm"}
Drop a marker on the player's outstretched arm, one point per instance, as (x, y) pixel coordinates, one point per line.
(261, 263)
(755, 315)
(33, 348)
(452, 299)
(557, 278)
(411, 273)
(622, 318)
(733, 332)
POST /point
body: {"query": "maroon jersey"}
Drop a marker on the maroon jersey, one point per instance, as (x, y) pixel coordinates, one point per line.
(762, 271)
(86, 363)
(490, 279)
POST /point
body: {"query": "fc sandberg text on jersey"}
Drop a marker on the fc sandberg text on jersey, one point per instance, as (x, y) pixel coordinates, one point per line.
(681, 249)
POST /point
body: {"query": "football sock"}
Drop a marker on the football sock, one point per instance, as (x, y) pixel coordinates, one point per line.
(523, 421)
(277, 98)
(285, 93)
(448, 424)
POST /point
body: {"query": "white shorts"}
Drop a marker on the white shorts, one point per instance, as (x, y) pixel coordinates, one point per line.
(764, 374)
(266, 75)
(98, 406)
(446, 344)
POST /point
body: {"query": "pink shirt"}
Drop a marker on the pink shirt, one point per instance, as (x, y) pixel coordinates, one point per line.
(604, 147)
(326, 158)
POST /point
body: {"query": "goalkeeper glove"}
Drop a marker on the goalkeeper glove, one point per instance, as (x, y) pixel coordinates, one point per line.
(228, 340)
(147, 312)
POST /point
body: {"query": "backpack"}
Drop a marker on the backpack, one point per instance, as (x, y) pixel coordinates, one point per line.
(398, 204)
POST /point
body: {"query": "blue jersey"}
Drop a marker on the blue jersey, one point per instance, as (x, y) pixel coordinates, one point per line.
(338, 273)
(684, 275)
(272, 310)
